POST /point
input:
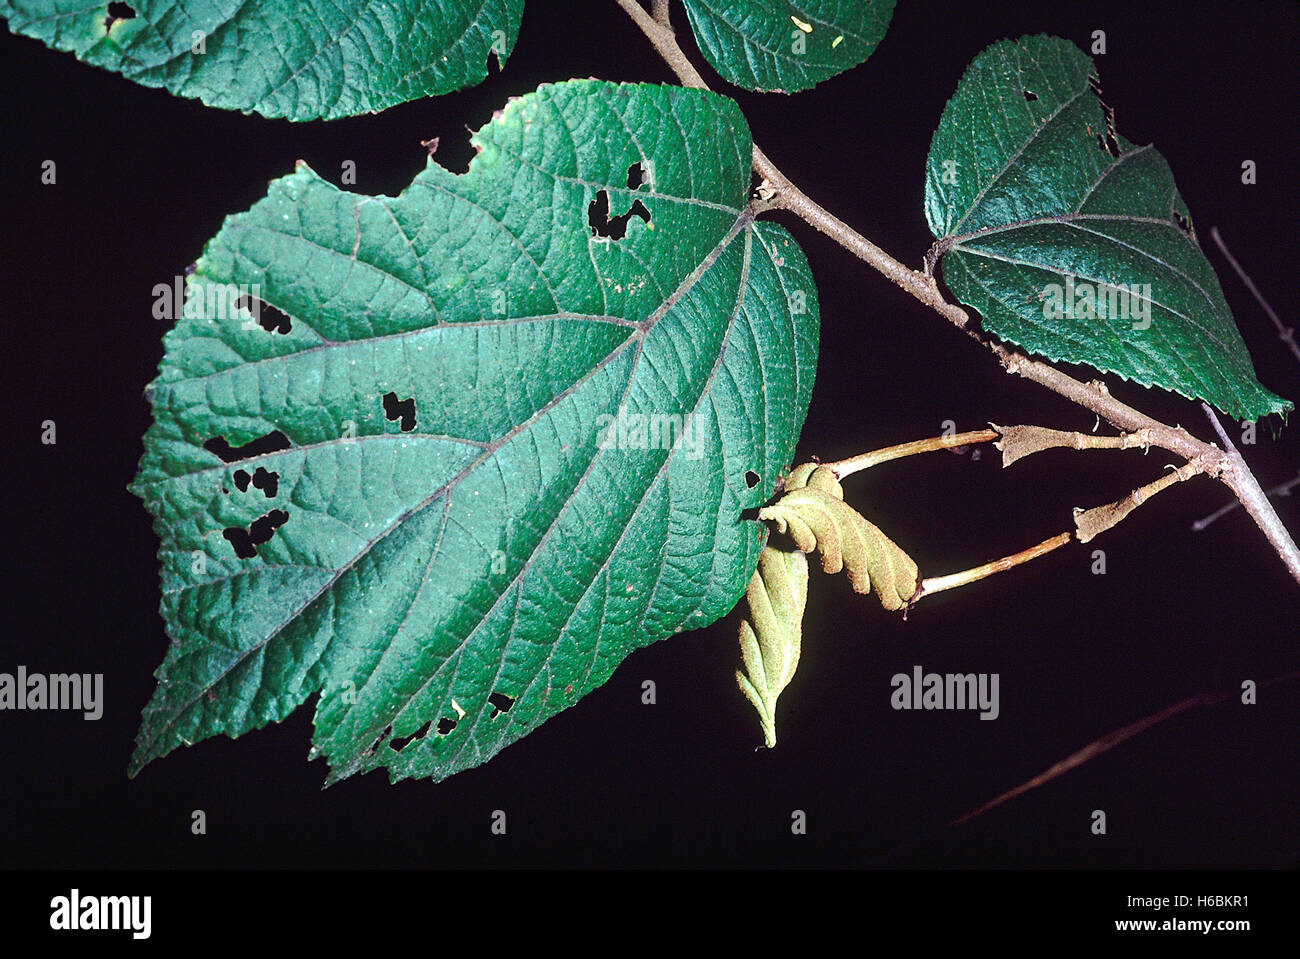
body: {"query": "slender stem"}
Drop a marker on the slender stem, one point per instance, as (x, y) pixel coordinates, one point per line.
(1232, 472)
(1093, 396)
(1179, 475)
(853, 464)
(660, 11)
(1076, 759)
(1090, 522)
(1242, 482)
(1284, 333)
(665, 41)
(1281, 489)
(922, 287)
(1089, 441)
(937, 584)
(1107, 742)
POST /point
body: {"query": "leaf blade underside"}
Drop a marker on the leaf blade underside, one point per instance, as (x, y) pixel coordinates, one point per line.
(486, 568)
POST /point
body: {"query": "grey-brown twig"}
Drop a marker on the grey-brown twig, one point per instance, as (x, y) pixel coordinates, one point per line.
(1229, 468)
(1108, 742)
(1243, 483)
(1281, 489)
(1284, 333)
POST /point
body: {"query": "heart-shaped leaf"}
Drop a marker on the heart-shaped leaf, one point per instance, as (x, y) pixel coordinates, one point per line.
(780, 46)
(477, 453)
(1070, 240)
(300, 59)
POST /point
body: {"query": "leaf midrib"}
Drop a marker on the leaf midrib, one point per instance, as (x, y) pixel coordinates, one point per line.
(451, 761)
(744, 219)
(1015, 155)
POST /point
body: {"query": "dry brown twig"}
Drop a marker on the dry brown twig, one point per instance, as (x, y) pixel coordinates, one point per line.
(1107, 743)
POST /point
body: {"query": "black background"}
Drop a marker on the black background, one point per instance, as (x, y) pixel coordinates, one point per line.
(144, 179)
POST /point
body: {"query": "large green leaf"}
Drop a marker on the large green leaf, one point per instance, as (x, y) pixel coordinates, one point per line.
(452, 528)
(1039, 202)
(300, 59)
(783, 46)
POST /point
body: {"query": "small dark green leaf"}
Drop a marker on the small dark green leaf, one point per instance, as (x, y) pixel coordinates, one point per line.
(1070, 240)
(486, 453)
(781, 46)
(300, 59)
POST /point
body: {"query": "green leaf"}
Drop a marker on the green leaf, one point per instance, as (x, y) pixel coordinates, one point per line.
(300, 59)
(464, 547)
(781, 46)
(1070, 240)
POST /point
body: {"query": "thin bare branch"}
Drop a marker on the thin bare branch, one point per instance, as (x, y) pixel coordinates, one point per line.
(918, 284)
(1242, 482)
(1284, 333)
(1077, 759)
(665, 41)
(1105, 743)
(1281, 489)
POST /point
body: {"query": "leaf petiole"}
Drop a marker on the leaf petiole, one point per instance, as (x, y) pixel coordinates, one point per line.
(937, 584)
(853, 464)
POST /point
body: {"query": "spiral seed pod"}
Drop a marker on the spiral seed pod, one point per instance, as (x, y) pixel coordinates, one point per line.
(813, 513)
(772, 633)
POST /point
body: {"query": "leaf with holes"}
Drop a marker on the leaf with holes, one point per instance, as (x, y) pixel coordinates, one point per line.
(482, 452)
(300, 59)
(1070, 240)
(783, 46)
